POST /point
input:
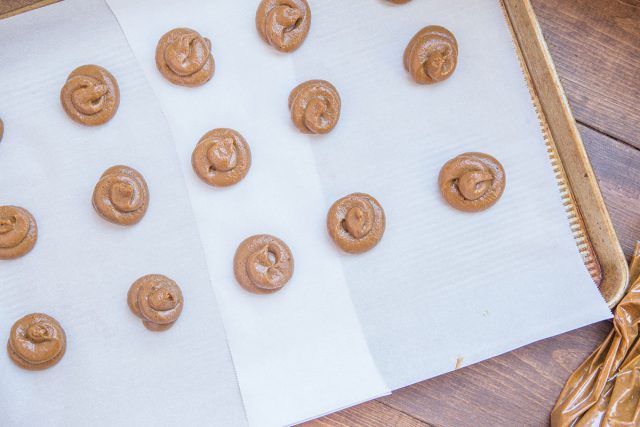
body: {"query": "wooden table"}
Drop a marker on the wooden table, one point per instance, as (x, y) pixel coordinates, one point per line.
(596, 48)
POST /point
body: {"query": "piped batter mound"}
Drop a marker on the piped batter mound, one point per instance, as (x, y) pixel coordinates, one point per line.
(432, 55)
(121, 196)
(221, 158)
(36, 342)
(263, 264)
(284, 24)
(472, 182)
(157, 300)
(18, 232)
(90, 95)
(315, 106)
(356, 222)
(184, 57)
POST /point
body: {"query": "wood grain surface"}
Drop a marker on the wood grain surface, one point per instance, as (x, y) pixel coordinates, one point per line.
(13, 7)
(595, 45)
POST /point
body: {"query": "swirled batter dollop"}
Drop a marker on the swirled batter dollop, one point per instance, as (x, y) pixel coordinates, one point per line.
(315, 106)
(221, 158)
(356, 222)
(157, 300)
(18, 232)
(184, 57)
(472, 182)
(36, 342)
(263, 264)
(90, 95)
(284, 24)
(432, 55)
(121, 196)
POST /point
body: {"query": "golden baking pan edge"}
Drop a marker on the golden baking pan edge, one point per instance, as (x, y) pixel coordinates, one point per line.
(587, 213)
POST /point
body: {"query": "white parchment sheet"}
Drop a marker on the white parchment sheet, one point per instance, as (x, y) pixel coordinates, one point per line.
(115, 372)
(443, 284)
(299, 352)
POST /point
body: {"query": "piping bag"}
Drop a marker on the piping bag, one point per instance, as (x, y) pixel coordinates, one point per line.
(605, 390)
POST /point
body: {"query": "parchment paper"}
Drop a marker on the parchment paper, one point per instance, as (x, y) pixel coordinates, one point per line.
(444, 285)
(115, 372)
(299, 352)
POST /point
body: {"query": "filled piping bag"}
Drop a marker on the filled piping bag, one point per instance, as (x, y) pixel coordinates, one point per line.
(605, 390)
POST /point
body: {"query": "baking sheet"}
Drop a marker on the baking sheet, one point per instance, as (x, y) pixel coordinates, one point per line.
(115, 372)
(443, 287)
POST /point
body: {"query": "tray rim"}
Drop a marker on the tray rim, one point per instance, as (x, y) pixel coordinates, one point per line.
(577, 182)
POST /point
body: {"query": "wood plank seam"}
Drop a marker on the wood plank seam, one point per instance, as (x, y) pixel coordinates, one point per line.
(603, 132)
(426, 422)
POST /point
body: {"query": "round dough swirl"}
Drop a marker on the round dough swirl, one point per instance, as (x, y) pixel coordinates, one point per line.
(18, 232)
(315, 106)
(432, 55)
(356, 222)
(90, 96)
(399, 1)
(1, 129)
(263, 264)
(284, 24)
(472, 182)
(121, 196)
(157, 300)
(36, 342)
(221, 158)
(184, 57)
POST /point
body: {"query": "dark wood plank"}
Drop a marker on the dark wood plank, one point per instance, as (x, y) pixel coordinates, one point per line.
(617, 167)
(595, 45)
(370, 414)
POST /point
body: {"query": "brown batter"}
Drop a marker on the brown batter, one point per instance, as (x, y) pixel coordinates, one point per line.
(263, 264)
(221, 158)
(399, 1)
(284, 24)
(90, 96)
(1, 129)
(184, 57)
(18, 232)
(472, 182)
(121, 196)
(157, 300)
(36, 342)
(356, 222)
(432, 55)
(315, 106)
